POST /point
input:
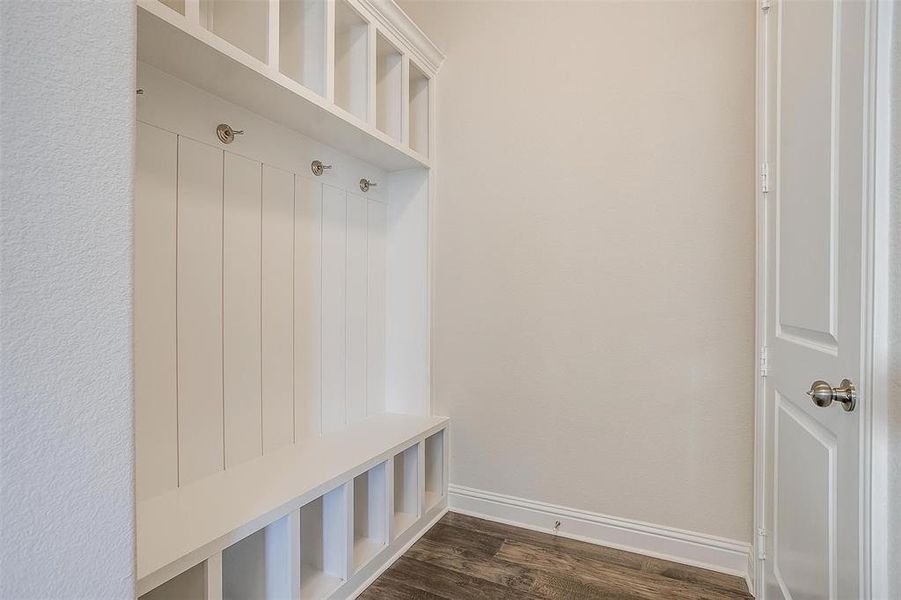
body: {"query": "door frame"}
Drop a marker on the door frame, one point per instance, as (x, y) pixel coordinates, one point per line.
(875, 301)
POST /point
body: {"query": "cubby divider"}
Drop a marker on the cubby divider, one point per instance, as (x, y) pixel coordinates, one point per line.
(406, 489)
(324, 540)
(434, 470)
(243, 23)
(370, 491)
(389, 88)
(302, 42)
(351, 60)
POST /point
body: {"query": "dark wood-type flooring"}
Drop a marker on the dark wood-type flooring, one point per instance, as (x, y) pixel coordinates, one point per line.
(464, 558)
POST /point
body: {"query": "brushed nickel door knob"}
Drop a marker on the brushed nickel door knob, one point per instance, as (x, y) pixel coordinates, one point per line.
(824, 394)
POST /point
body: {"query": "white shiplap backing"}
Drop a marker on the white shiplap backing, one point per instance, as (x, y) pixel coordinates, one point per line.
(259, 308)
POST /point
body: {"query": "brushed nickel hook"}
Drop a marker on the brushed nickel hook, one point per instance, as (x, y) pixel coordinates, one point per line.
(317, 167)
(226, 134)
(365, 184)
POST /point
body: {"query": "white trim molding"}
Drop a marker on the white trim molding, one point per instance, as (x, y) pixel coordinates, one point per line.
(392, 18)
(687, 547)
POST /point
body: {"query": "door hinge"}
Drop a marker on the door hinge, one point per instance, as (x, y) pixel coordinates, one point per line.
(764, 178)
(761, 544)
(765, 6)
(764, 361)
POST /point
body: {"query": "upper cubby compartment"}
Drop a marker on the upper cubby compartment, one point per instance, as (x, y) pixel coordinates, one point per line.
(302, 42)
(244, 23)
(388, 88)
(419, 110)
(351, 60)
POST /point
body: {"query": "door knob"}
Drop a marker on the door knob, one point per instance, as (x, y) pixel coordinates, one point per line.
(824, 394)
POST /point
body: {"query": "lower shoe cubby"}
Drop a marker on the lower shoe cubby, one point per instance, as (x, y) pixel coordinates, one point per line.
(324, 544)
(434, 470)
(370, 512)
(406, 489)
(259, 566)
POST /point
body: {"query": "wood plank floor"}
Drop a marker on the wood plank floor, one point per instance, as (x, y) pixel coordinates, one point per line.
(466, 558)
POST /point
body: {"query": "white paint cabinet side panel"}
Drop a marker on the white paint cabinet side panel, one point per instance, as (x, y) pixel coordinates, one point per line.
(307, 307)
(356, 307)
(241, 309)
(200, 420)
(377, 216)
(278, 308)
(334, 268)
(155, 387)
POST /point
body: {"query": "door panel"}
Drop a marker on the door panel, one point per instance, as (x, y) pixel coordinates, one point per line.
(815, 122)
(805, 468)
(804, 139)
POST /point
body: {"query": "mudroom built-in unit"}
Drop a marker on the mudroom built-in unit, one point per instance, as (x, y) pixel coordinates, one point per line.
(284, 179)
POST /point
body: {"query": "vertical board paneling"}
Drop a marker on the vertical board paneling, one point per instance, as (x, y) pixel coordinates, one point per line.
(155, 388)
(334, 267)
(377, 217)
(356, 307)
(307, 307)
(200, 424)
(241, 309)
(278, 308)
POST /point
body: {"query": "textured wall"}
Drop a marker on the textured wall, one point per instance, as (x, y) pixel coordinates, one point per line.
(594, 254)
(66, 452)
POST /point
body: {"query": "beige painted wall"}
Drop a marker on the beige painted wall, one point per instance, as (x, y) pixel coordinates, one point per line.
(594, 290)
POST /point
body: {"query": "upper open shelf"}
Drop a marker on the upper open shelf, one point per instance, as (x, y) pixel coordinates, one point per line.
(318, 67)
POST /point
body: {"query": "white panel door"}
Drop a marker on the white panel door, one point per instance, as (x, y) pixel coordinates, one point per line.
(815, 117)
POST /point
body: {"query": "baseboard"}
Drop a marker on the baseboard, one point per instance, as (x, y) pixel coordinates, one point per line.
(686, 547)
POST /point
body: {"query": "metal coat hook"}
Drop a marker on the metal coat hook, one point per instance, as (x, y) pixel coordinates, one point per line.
(226, 134)
(139, 91)
(317, 167)
(365, 184)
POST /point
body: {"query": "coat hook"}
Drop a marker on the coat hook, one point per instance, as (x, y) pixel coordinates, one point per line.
(365, 184)
(226, 134)
(317, 167)
(139, 91)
